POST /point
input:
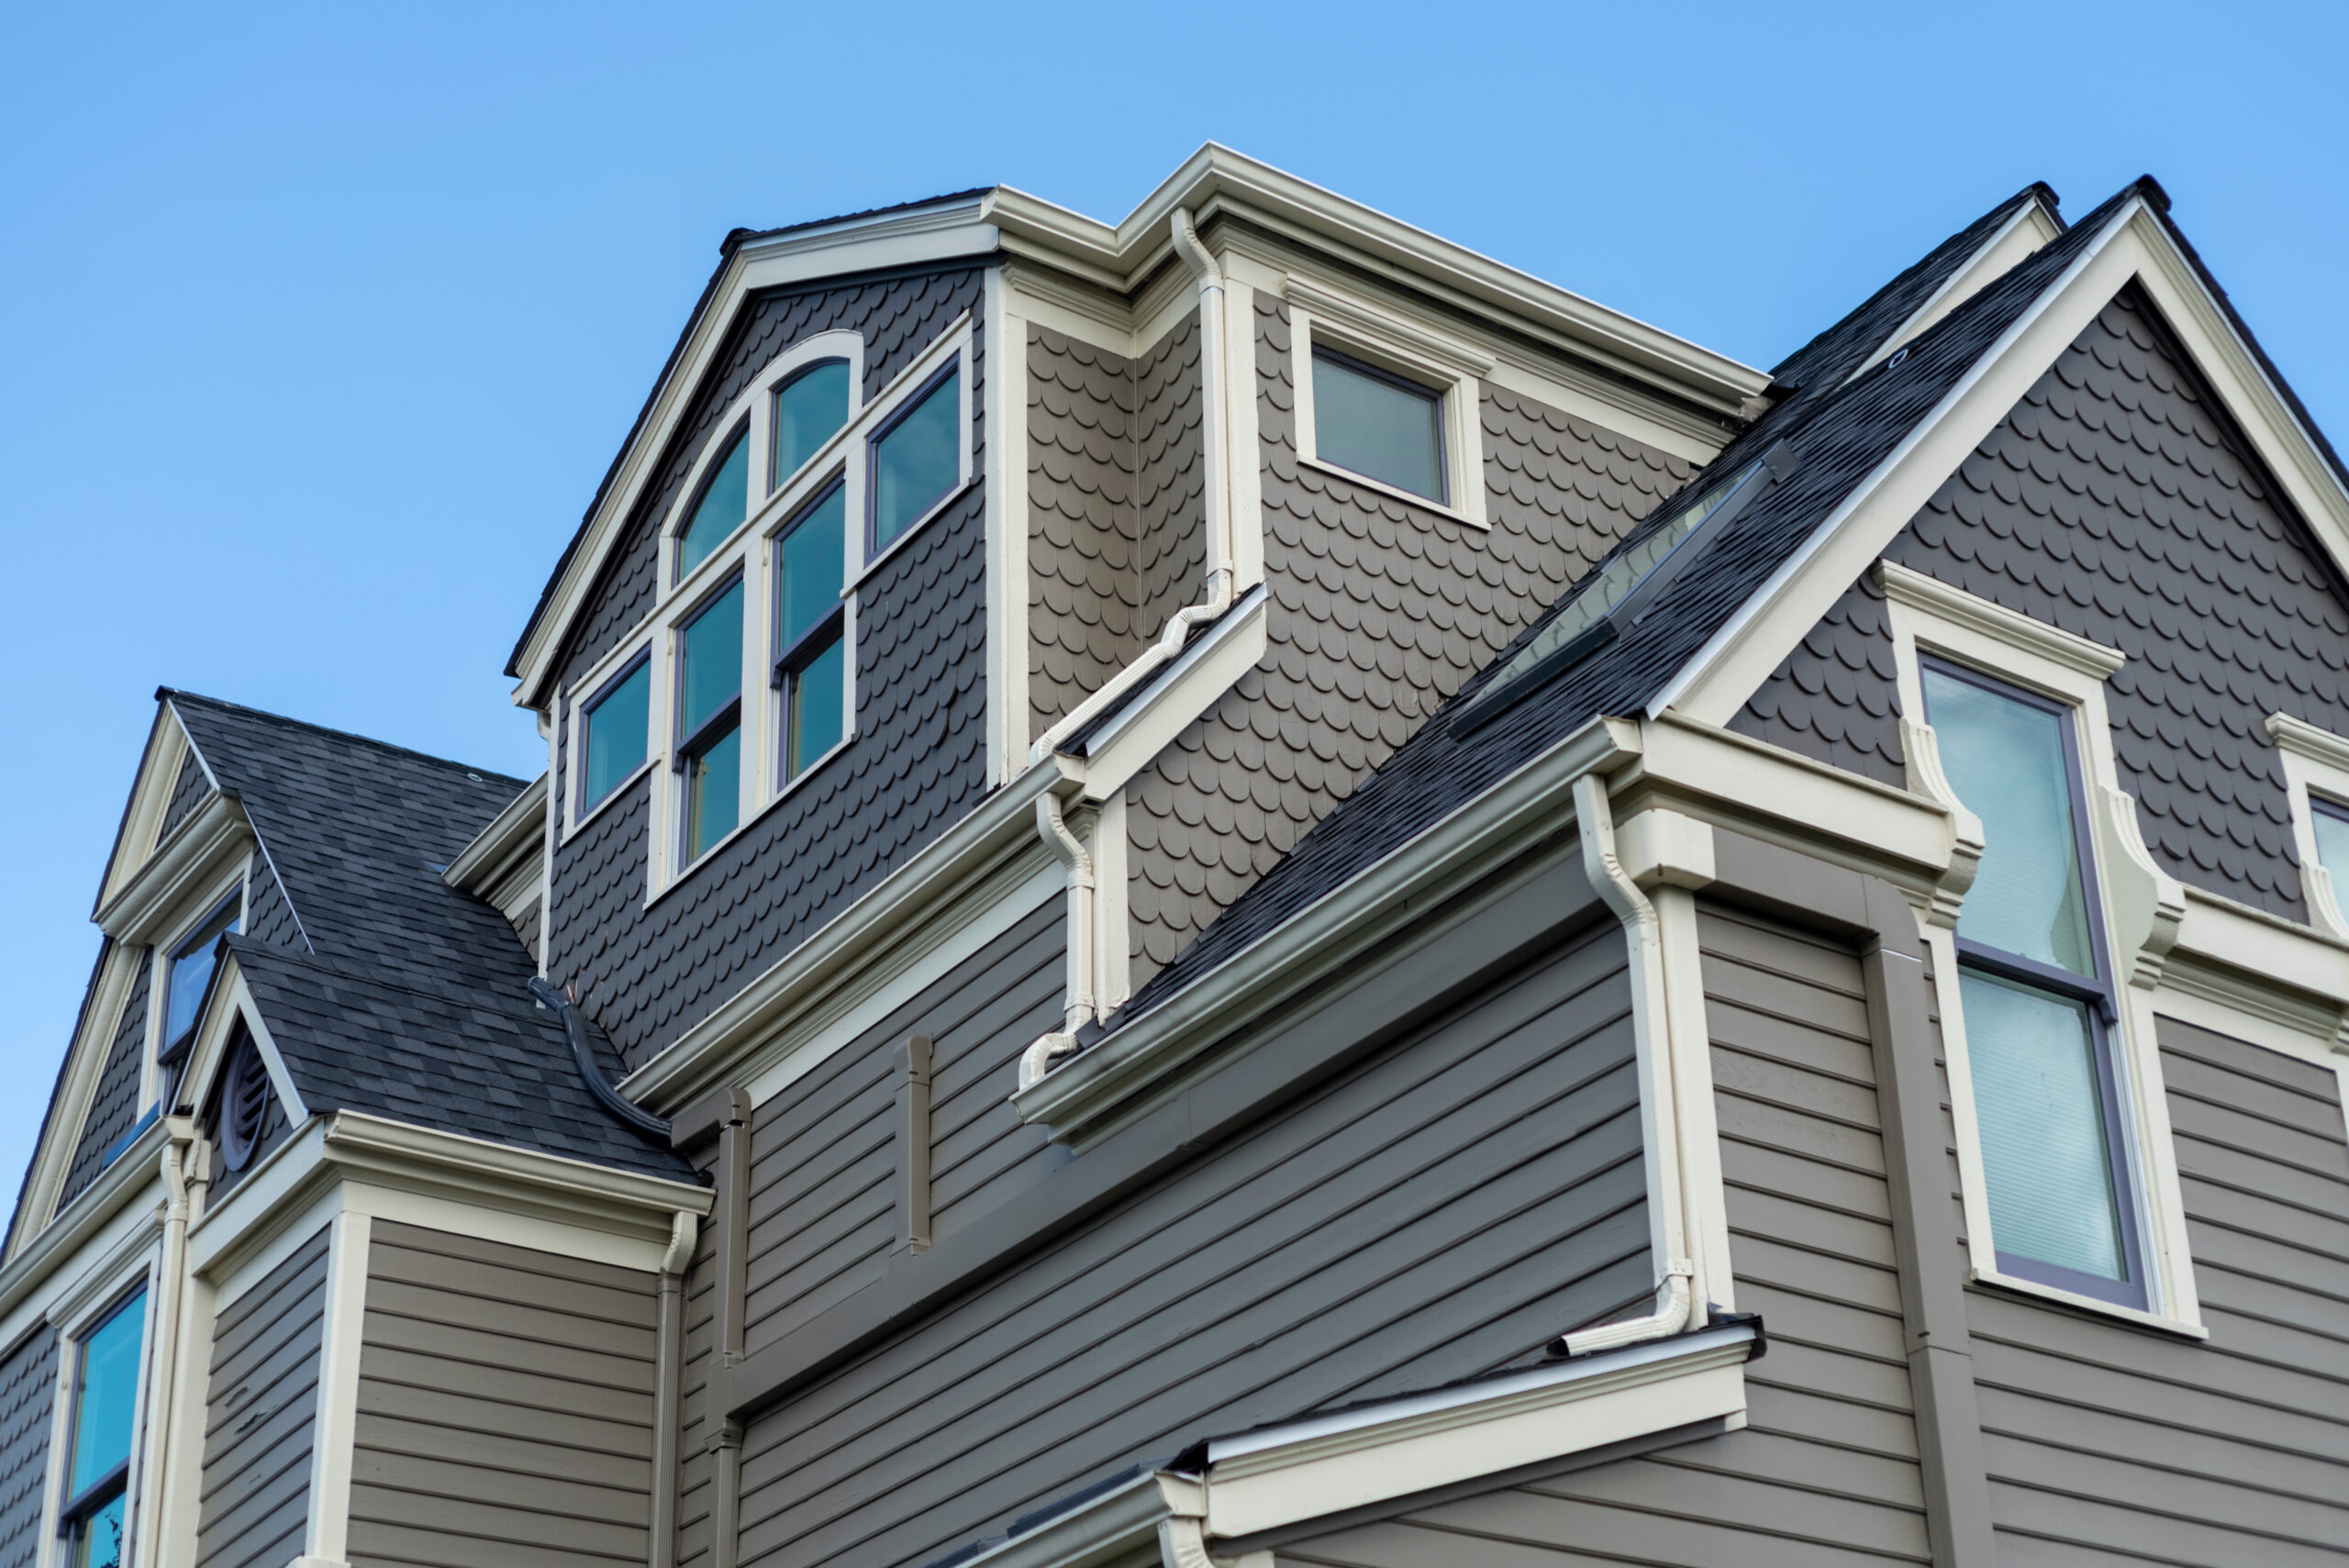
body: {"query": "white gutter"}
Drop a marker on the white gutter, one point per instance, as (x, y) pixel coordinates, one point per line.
(1669, 1221)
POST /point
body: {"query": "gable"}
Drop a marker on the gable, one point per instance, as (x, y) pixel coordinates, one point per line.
(2117, 501)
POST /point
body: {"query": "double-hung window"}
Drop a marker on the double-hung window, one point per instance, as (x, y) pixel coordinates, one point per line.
(710, 722)
(2041, 1012)
(104, 1417)
(192, 963)
(811, 666)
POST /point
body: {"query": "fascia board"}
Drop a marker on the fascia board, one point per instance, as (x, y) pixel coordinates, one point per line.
(132, 1171)
(1078, 1100)
(899, 239)
(905, 909)
(1263, 1481)
(513, 834)
(1714, 682)
(196, 852)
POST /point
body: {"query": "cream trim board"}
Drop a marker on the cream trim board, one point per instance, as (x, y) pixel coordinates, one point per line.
(2316, 761)
(2144, 909)
(1449, 369)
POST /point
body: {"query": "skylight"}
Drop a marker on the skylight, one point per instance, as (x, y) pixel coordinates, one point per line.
(1621, 593)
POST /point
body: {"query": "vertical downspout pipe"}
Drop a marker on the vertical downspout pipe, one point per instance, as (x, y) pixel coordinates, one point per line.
(668, 1412)
(1659, 1113)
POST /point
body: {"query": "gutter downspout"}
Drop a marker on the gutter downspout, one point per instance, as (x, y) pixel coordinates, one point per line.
(685, 1229)
(1675, 1307)
(1050, 824)
(183, 1167)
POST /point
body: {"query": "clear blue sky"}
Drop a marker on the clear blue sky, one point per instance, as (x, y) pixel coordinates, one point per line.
(319, 324)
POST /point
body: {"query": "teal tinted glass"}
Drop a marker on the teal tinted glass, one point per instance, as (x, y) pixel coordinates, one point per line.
(817, 697)
(710, 662)
(725, 502)
(192, 965)
(619, 731)
(106, 1396)
(2046, 1152)
(813, 568)
(809, 409)
(1384, 430)
(98, 1543)
(2006, 760)
(916, 462)
(713, 794)
(2333, 845)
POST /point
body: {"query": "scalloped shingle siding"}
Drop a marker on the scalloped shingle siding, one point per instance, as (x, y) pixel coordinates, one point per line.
(1379, 611)
(2116, 502)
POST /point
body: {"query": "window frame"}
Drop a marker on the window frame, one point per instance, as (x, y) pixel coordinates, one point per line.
(2316, 773)
(2097, 991)
(1376, 338)
(1930, 619)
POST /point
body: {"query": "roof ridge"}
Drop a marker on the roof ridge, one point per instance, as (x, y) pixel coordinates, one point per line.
(174, 694)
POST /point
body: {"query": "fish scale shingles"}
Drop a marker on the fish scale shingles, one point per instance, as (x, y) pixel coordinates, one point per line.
(1378, 612)
(917, 764)
(1841, 432)
(385, 990)
(1116, 507)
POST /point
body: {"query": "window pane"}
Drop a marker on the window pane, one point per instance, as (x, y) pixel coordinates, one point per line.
(2333, 845)
(916, 462)
(2045, 1148)
(710, 660)
(106, 1395)
(813, 569)
(808, 411)
(723, 505)
(98, 1543)
(1391, 433)
(713, 794)
(2006, 760)
(817, 697)
(192, 971)
(618, 733)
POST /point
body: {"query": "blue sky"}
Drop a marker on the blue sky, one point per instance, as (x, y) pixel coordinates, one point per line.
(319, 324)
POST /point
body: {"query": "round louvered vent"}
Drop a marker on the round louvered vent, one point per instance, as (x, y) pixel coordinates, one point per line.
(244, 1104)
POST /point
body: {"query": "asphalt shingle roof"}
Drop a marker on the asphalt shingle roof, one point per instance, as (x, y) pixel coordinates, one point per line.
(1840, 434)
(399, 996)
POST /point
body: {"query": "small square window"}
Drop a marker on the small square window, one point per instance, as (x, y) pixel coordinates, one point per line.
(615, 731)
(917, 461)
(1379, 425)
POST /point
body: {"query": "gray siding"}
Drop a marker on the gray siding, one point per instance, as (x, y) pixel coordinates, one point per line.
(114, 1106)
(1825, 1471)
(917, 766)
(1441, 1208)
(1379, 611)
(824, 1155)
(505, 1407)
(260, 1416)
(2109, 1444)
(188, 791)
(28, 1395)
(1116, 507)
(2117, 501)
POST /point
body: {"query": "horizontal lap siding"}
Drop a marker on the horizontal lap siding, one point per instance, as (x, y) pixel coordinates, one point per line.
(824, 1151)
(2112, 1444)
(1441, 1208)
(261, 1413)
(1825, 1472)
(505, 1407)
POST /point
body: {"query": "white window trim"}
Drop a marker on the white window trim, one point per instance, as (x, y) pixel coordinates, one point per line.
(1377, 337)
(2142, 908)
(2315, 761)
(751, 551)
(107, 1287)
(237, 883)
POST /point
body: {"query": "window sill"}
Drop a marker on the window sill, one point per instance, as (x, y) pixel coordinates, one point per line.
(685, 874)
(1394, 492)
(2131, 1315)
(945, 503)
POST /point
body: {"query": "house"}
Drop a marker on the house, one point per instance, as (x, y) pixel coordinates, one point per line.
(1242, 888)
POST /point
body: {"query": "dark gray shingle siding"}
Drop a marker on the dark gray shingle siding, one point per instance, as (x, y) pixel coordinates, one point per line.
(113, 1106)
(28, 1392)
(917, 766)
(2116, 502)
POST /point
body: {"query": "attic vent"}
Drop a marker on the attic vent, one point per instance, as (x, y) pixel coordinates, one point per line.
(244, 1104)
